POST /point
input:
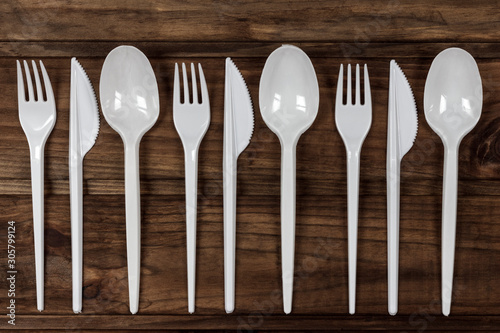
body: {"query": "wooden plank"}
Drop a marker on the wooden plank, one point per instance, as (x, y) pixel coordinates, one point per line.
(256, 331)
(280, 21)
(254, 49)
(257, 322)
(257, 185)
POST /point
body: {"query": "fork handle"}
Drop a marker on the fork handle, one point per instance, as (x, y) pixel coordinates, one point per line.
(37, 180)
(133, 222)
(288, 168)
(191, 180)
(353, 165)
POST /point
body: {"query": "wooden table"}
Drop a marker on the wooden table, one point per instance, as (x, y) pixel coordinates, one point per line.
(332, 33)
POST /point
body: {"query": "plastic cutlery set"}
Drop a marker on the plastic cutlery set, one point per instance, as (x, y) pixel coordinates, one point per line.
(289, 104)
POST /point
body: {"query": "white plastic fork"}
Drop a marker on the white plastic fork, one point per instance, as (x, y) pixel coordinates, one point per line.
(37, 117)
(191, 121)
(353, 122)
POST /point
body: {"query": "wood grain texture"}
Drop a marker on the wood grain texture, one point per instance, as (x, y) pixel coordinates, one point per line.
(280, 21)
(256, 322)
(203, 49)
(193, 31)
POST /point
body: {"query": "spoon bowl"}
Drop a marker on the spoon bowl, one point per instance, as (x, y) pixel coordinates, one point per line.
(129, 92)
(453, 99)
(453, 95)
(289, 101)
(289, 92)
(130, 104)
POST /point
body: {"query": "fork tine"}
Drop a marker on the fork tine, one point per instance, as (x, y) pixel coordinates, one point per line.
(46, 83)
(177, 91)
(185, 83)
(368, 95)
(340, 83)
(358, 97)
(177, 86)
(29, 83)
(21, 95)
(203, 86)
(39, 93)
(193, 81)
(349, 83)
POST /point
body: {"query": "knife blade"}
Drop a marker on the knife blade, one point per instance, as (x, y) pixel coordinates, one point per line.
(84, 128)
(238, 129)
(401, 134)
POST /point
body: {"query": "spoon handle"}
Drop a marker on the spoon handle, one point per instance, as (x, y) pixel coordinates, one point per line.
(36, 156)
(288, 222)
(133, 221)
(450, 184)
(191, 176)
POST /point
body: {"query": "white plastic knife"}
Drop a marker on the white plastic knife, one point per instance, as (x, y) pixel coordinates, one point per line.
(83, 131)
(401, 132)
(238, 129)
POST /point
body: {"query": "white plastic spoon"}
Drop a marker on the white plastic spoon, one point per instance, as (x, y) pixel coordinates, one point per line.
(130, 104)
(289, 101)
(453, 101)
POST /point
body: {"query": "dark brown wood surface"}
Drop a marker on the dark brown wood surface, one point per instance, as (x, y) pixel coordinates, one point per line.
(372, 32)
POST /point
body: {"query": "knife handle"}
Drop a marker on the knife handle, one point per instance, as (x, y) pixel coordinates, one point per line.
(133, 222)
(229, 186)
(393, 192)
(76, 199)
